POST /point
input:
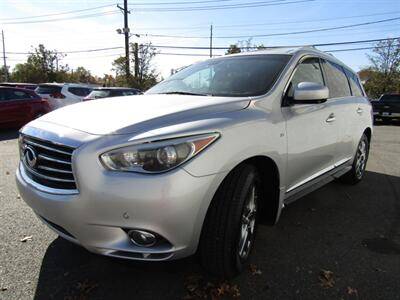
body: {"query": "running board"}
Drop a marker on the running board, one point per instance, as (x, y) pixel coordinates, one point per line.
(315, 184)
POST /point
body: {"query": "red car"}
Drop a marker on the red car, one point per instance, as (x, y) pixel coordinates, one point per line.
(19, 106)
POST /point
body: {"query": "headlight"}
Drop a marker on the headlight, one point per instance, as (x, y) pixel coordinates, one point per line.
(156, 157)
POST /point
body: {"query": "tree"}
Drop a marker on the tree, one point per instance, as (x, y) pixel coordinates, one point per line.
(244, 46)
(233, 49)
(383, 75)
(145, 75)
(3, 72)
(42, 65)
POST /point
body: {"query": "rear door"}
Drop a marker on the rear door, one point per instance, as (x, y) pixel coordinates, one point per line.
(16, 106)
(52, 93)
(345, 106)
(311, 129)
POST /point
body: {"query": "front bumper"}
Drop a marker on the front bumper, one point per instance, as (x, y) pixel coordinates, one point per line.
(172, 204)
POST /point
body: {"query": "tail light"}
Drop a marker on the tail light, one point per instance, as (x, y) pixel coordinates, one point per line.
(57, 95)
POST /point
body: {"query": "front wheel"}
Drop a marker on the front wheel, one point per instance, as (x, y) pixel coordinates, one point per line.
(357, 171)
(230, 225)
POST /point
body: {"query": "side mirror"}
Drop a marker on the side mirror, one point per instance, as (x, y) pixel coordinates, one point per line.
(310, 92)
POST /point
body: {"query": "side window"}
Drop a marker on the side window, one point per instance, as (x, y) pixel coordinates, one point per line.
(3, 95)
(337, 81)
(79, 91)
(18, 95)
(354, 84)
(308, 71)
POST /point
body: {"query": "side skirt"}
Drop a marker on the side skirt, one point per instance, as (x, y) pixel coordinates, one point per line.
(316, 183)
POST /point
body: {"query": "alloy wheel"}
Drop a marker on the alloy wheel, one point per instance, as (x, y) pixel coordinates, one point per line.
(248, 224)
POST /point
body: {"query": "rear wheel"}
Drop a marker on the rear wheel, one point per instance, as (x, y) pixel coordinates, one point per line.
(230, 225)
(360, 162)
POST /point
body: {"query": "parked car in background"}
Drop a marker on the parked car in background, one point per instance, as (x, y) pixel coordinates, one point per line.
(28, 86)
(105, 92)
(387, 107)
(20, 106)
(203, 158)
(62, 94)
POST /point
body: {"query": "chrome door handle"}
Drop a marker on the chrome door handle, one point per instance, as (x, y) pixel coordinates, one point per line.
(331, 118)
(360, 110)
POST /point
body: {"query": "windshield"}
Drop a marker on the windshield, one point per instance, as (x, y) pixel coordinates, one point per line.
(236, 76)
(390, 98)
(99, 94)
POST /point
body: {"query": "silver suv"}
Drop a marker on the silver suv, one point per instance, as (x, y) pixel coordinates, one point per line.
(195, 163)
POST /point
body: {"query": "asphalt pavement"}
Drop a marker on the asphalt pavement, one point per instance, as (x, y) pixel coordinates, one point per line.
(339, 242)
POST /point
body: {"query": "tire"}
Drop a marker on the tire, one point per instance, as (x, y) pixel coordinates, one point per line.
(356, 174)
(224, 245)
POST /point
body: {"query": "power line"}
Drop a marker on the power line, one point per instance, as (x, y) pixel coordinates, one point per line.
(223, 7)
(178, 3)
(221, 48)
(58, 14)
(276, 34)
(266, 24)
(106, 13)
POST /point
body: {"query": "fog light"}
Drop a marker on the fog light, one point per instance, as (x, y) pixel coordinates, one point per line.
(142, 238)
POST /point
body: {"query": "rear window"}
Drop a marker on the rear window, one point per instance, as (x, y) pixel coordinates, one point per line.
(48, 89)
(79, 91)
(390, 98)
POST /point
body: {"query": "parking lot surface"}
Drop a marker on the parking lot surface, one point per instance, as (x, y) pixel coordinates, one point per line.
(339, 242)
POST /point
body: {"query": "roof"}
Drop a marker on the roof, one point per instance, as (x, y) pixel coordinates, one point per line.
(114, 88)
(294, 51)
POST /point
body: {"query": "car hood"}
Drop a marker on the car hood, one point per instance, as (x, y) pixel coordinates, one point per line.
(129, 114)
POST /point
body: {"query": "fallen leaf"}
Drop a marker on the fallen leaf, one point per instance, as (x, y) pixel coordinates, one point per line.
(352, 291)
(26, 238)
(326, 279)
(254, 270)
(7, 173)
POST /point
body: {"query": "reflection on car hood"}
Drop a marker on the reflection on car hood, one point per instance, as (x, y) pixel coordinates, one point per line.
(127, 114)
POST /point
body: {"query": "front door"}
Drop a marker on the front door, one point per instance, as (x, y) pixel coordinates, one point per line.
(312, 130)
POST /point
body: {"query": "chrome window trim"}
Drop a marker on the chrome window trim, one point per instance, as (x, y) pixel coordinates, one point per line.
(319, 173)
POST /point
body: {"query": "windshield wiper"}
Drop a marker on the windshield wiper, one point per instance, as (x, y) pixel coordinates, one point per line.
(184, 93)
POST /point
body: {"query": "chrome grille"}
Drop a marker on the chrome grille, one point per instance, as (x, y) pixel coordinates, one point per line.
(47, 163)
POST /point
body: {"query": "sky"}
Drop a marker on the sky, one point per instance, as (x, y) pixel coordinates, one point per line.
(96, 26)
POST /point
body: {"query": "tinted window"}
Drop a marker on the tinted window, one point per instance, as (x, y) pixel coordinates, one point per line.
(79, 91)
(48, 89)
(308, 71)
(337, 80)
(18, 95)
(354, 84)
(99, 94)
(238, 76)
(129, 93)
(3, 95)
(390, 98)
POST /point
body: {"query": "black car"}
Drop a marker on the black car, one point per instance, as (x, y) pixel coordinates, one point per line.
(106, 92)
(387, 107)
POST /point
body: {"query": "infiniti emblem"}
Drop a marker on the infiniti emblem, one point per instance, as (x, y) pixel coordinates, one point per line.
(30, 156)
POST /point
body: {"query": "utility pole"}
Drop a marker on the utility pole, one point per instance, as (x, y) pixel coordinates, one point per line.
(136, 57)
(4, 58)
(211, 40)
(126, 32)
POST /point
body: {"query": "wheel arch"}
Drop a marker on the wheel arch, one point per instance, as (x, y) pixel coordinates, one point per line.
(368, 133)
(268, 172)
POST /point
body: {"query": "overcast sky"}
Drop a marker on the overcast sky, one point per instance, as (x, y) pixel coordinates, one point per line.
(276, 17)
